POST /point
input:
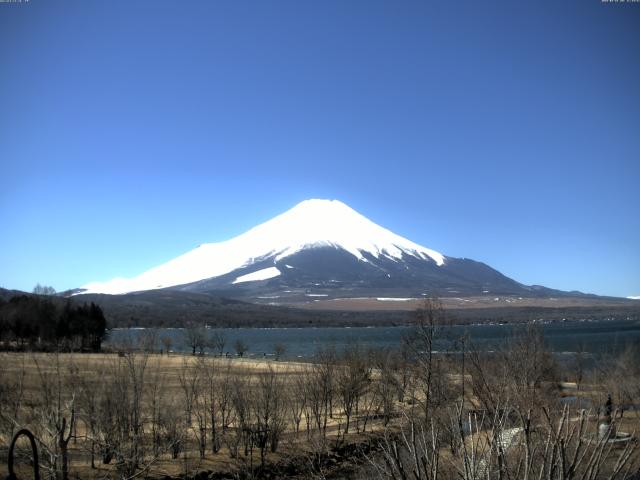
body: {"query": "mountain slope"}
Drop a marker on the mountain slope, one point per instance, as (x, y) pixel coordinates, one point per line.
(310, 224)
(327, 272)
(317, 250)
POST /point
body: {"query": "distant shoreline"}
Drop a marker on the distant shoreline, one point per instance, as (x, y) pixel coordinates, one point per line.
(408, 325)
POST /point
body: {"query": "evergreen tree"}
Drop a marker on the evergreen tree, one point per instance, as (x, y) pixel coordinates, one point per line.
(44, 324)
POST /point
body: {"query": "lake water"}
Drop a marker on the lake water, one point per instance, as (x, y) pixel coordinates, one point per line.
(596, 337)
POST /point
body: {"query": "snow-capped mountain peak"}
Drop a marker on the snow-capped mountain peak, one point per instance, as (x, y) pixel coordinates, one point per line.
(332, 223)
(310, 224)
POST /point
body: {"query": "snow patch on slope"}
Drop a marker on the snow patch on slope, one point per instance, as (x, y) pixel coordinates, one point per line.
(264, 274)
(394, 299)
(310, 224)
(634, 297)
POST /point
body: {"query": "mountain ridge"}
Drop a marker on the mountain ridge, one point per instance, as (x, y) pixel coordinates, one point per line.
(312, 223)
(320, 249)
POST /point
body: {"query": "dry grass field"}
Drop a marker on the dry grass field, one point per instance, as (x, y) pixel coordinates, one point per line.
(148, 415)
(170, 383)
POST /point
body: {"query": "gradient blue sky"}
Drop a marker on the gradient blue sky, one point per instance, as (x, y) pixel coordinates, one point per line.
(507, 132)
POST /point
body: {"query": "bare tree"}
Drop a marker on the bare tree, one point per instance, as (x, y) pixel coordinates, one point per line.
(520, 433)
(428, 320)
(217, 341)
(148, 340)
(269, 412)
(279, 349)
(621, 377)
(90, 392)
(413, 454)
(167, 342)
(56, 415)
(12, 388)
(43, 290)
(131, 453)
(189, 379)
(241, 402)
(298, 398)
(387, 385)
(205, 404)
(156, 405)
(211, 383)
(561, 447)
(353, 377)
(202, 414)
(121, 414)
(241, 347)
(321, 388)
(195, 338)
(171, 427)
(223, 397)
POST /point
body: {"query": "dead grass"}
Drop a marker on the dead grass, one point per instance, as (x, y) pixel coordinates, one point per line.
(94, 367)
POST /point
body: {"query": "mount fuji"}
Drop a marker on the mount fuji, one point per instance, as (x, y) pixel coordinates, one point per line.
(320, 250)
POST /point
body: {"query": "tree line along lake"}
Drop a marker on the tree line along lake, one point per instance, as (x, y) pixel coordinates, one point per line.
(595, 337)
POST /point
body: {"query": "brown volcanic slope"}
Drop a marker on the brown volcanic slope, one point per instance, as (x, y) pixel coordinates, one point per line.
(458, 303)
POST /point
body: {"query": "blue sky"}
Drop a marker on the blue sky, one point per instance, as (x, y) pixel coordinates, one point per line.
(507, 132)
